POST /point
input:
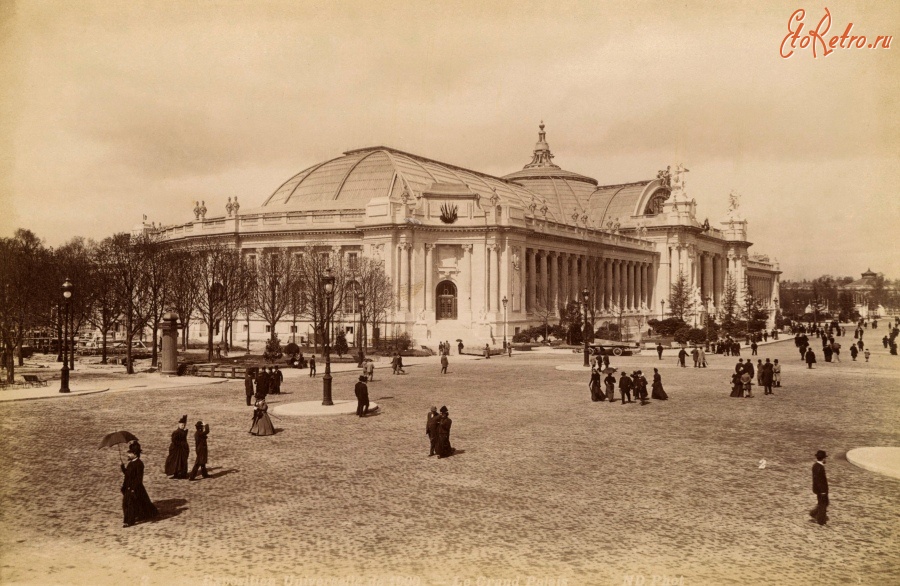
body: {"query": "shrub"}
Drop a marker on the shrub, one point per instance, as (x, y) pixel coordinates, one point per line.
(668, 326)
(292, 350)
(340, 343)
(273, 349)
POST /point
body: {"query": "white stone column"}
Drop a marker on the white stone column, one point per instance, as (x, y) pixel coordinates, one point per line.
(465, 296)
(607, 283)
(429, 277)
(532, 282)
(494, 272)
(503, 271)
(404, 276)
(544, 284)
(554, 281)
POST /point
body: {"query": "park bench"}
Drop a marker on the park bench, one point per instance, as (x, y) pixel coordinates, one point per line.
(217, 370)
(32, 380)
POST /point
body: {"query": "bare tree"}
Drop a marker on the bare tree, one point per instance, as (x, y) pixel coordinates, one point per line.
(74, 261)
(240, 294)
(376, 292)
(23, 264)
(184, 290)
(129, 257)
(314, 263)
(275, 278)
(107, 304)
(217, 265)
(158, 283)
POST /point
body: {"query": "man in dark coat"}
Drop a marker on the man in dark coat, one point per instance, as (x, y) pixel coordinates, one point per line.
(262, 384)
(177, 460)
(277, 377)
(748, 368)
(362, 397)
(625, 385)
(659, 350)
(810, 357)
(682, 355)
(202, 451)
(312, 365)
(431, 429)
(768, 375)
(248, 386)
(445, 362)
(820, 488)
(136, 503)
(443, 448)
(753, 348)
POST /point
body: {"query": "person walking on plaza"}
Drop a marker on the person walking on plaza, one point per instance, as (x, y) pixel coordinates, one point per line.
(753, 348)
(776, 373)
(867, 354)
(277, 377)
(658, 392)
(836, 349)
(261, 423)
(395, 361)
(444, 449)
(737, 387)
(748, 368)
(202, 451)
(860, 345)
(747, 384)
(136, 503)
(362, 397)
(854, 352)
(487, 350)
(702, 357)
(312, 365)
(369, 370)
(810, 357)
(248, 386)
(767, 376)
(695, 354)
(640, 387)
(262, 383)
(459, 348)
(819, 513)
(659, 350)
(759, 372)
(177, 460)
(885, 341)
(610, 381)
(445, 362)
(625, 385)
(594, 386)
(682, 356)
(431, 429)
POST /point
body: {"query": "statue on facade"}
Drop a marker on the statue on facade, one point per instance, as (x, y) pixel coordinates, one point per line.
(196, 210)
(734, 204)
(515, 261)
(665, 177)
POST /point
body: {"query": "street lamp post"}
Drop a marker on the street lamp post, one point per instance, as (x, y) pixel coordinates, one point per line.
(706, 301)
(359, 333)
(662, 309)
(67, 289)
(327, 283)
(585, 294)
(505, 320)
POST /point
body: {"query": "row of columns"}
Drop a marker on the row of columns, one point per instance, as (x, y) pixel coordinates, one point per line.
(553, 278)
(763, 288)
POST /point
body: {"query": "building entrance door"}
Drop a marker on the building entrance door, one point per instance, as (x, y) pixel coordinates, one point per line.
(446, 300)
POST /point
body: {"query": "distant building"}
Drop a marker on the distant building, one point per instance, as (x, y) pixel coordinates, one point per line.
(869, 293)
(456, 243)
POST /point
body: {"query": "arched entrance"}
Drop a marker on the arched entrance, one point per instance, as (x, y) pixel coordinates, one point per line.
(446, 300)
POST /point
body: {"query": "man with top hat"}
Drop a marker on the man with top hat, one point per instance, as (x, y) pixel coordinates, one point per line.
(136, 503)
(202, 451)
(248, 386)
(177, 460)
(820, 487)
(431, 429)
(443, 447)
(362, 397)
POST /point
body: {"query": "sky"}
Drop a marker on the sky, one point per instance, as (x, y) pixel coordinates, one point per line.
(110, 110)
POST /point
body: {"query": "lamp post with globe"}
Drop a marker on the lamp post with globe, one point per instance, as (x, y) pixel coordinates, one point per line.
(585, 294)
(67, 291)
(505, 301)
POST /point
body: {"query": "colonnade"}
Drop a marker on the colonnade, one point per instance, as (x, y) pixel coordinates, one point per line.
(553, 278)
(763, 288)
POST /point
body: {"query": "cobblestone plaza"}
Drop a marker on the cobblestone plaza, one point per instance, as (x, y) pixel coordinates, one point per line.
(546, 485)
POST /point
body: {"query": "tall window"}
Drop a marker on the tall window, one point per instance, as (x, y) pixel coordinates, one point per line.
(352, 260)
(351, 295)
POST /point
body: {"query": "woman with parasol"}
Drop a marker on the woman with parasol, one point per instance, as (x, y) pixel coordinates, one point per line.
(594, 386)
(136, 503)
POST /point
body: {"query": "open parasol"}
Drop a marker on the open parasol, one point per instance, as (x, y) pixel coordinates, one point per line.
(609, 370)
(117, 438)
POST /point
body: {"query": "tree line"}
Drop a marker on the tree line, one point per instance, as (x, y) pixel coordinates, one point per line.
(129, 282)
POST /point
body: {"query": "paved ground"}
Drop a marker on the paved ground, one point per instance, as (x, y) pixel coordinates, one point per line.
(545, 484)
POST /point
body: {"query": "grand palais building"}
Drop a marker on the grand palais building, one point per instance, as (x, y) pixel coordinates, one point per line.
(457, 242)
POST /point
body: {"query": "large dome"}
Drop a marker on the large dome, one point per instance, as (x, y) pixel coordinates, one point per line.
(569, 191)
(351, 181)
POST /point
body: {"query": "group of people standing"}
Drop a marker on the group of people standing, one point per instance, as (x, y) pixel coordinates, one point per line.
(768, 375)
(635, 383)
(437, 428)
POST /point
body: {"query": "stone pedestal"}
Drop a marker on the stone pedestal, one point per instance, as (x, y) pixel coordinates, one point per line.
(169, 359)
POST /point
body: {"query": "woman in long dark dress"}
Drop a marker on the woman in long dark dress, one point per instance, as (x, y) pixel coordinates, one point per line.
(610, 381)
(262, 423)
(136, 503)
(658, 392)
(177, 461)
(594, 386)
(737, 387)
(443, 447)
